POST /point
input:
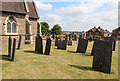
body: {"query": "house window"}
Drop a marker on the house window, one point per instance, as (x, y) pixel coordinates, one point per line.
(118, 36)
(90, 33)
(11, 25)
(96, 33)
(119, 32)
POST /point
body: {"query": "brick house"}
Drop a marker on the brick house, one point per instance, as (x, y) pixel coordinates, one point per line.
(19, 18)
(98, 31)
(116, 33)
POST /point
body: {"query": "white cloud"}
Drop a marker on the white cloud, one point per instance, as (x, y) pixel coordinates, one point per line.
(52, 19)
(42, 6)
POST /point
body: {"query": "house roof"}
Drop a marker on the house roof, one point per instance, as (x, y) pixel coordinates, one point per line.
(20, 8)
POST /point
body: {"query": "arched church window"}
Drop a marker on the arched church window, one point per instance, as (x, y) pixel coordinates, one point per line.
(11, 25)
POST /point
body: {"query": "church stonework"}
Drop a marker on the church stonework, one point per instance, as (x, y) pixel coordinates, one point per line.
(19, 18)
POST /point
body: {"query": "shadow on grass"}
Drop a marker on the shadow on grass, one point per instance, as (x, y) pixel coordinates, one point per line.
(33, 52)
(87, 68)
(5, 57)
(72, 51)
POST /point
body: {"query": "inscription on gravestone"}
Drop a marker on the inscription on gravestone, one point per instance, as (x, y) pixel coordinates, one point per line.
(19, 44)
(64, 44)
(9, 46)
(82, 45)
(59, 46)
(13, 49)
(102, 56)
(48, 47)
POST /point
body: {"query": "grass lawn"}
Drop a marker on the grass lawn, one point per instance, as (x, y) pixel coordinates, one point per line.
(61, 64)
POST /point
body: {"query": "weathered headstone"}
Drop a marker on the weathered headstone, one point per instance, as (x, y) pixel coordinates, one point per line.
(113, 40)
(75, 37)
(64, 44)
(19, 44)
(13, 49)
(36, 43)
(40, 45)
(70, 37)
(56, 41)
(59, 44)
(82, 45)
(102, 56)
(93, 48)
(69, 42)
(9, 46)
(48, 46)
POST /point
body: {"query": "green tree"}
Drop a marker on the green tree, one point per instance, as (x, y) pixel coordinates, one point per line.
(56, 30)
(45, 28)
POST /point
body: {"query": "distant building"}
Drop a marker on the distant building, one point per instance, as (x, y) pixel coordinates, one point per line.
(116, 33)
(98, 31)
(19, 18)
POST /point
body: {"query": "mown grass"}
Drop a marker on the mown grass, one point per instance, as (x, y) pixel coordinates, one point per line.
(60, 64)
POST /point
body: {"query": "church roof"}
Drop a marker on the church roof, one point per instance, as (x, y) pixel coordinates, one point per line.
(20, 8)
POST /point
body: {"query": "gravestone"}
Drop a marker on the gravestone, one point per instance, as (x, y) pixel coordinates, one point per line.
(90, 39)
(59, 44)
(48, 46)
(69, 42)
(113, 40)
(19, 44)
(36, 43)
(93, 48)
(56, 41)
(66, 37)
(64, 44)
(102, 56)
(13, 49)
(82, 45)
(9, 46)
(40, 45)
(70, 37)
(75, 37)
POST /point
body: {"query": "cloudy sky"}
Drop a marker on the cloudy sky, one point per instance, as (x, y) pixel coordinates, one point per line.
(79, 15)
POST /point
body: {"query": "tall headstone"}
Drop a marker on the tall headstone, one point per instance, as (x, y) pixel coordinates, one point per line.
(113, 40)
(40, 45)
(70, 37)
(59, 44)
(48, 46)
(94, 46)
(102, 56)
(56, 41)
(82, 45)
(75, 37)
(19, 44)
(36, 43)
(13, 49)
(64, 44)
(9, 46)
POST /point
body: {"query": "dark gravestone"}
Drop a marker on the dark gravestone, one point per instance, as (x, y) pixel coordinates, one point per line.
(93, 48)
(111, 39)
(40, 45)
(64, 44)
(66, 37)
(75, 37)
(36, 43)
(70, 37)
(48, 46)
(13, 49)
(90, 39)
(59, 44)
(69, 42)
(102, 56)
(82, 45)
(9, 46)
(19, 44)
(56, 41)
